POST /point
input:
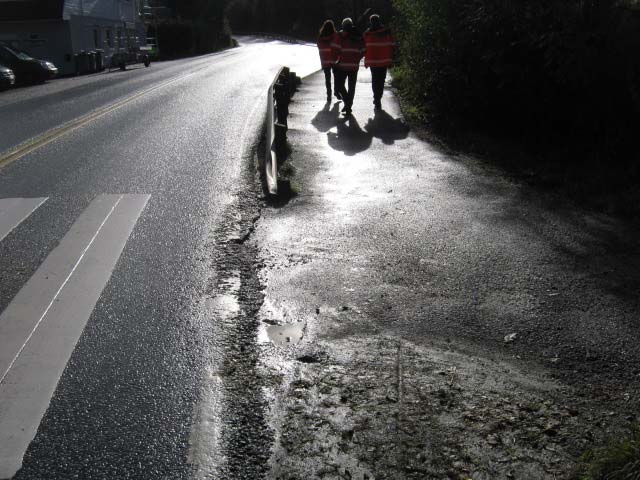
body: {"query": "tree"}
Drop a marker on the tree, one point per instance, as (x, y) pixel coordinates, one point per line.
(198, 26)
(297, 18)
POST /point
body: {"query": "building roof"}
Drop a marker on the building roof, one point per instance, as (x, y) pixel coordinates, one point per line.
(18, 10)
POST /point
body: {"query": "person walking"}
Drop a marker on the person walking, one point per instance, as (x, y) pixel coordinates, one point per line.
(349, 49)
(328, 58)
(379, 44)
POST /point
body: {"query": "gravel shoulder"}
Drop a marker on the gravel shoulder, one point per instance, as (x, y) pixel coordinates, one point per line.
(426, 317)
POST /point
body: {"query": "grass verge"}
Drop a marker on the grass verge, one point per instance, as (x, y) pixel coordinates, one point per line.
(620, 460)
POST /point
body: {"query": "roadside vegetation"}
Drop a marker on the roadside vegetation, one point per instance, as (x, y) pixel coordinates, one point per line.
(295, 18)
(194, 27)
(557, 78)
(618, 461)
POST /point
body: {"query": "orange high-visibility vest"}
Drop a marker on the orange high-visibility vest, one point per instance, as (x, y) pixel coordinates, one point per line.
(328, 55)
(350, 50)
(379, 44)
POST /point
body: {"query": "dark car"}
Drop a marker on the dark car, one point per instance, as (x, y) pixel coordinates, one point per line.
(7, 78)
(26, 68)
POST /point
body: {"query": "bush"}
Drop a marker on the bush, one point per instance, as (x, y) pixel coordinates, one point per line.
(182, 38)
(193, 27)
(296, 18)
(547, 71)
(619, 461)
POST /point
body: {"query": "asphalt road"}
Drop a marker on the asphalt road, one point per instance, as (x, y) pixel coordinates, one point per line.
(114, 253)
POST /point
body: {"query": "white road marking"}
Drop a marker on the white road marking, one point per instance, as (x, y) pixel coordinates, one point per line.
(13, 211)
(41, 326)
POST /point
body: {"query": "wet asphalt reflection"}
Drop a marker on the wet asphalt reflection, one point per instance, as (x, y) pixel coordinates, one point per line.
(132, 400)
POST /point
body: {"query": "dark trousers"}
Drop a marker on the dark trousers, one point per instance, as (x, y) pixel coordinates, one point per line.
(327, 78)
(378, 77)
(352, 79)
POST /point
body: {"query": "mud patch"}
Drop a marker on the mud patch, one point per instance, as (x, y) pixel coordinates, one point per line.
(310, 358)
(381, 407)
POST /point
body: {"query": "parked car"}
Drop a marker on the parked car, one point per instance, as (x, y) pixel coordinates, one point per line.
(7, 78)
(26, 68)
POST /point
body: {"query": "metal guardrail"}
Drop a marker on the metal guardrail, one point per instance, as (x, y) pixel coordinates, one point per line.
(278, 99)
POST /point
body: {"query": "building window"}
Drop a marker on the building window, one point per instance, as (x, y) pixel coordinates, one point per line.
(109, 38)
(96, 38)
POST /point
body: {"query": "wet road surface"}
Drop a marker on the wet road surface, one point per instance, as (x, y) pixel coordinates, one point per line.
(106, 240)
(391, 320)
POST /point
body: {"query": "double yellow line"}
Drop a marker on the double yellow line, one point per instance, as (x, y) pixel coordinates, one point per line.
(55, 133)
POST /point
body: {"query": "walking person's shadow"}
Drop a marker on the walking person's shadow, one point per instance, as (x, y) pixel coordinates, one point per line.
(327, 118)
(387, 128)
(349, 138)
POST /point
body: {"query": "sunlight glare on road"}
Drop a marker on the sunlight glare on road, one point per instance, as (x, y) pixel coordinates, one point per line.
(300, 58)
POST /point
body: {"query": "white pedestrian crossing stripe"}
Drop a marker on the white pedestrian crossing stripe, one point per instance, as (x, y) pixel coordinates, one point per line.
(13, 211)
(41, 326)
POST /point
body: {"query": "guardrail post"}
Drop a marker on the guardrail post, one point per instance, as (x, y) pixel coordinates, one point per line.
(279, 97)
(292, 80)
(281, 93)
(280, 138)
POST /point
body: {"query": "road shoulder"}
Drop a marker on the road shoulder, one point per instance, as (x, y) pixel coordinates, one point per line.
(422, 314)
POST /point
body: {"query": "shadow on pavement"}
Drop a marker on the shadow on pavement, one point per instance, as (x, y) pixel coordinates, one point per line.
(603, 248)
(327, 118)
(387, 128)
(350, 138)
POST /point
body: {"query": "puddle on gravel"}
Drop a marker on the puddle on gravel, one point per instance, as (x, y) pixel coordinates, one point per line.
(284, 334)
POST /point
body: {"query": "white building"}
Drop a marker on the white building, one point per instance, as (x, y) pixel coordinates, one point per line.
(55, 30)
